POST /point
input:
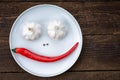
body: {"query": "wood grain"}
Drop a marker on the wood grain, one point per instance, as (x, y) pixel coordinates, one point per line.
(111, 75)
(54, 0)
(110, 8)
(94, 17)
(100, 52)
(100, 56)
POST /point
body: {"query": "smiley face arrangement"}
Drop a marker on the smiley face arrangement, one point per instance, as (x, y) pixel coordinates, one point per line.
(32, 31)
(45, 40)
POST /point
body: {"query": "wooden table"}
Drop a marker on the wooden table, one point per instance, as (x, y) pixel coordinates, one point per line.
(100, 24)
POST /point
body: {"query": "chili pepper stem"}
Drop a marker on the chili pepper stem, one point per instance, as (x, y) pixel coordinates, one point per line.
(14, 50)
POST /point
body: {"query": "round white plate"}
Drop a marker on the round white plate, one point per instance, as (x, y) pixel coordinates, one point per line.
(43, 14)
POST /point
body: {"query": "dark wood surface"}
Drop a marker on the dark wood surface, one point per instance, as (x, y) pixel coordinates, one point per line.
(100, 56)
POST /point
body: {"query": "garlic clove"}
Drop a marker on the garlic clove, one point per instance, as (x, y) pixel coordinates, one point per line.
(31, 31)
(56, 30)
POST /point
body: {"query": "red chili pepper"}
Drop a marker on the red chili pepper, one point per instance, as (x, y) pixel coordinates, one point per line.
(27, 53)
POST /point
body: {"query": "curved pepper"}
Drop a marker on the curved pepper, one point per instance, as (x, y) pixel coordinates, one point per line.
(27, 53)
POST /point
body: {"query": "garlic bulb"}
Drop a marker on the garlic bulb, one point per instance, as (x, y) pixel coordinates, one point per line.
(31, 31)
(56, 30)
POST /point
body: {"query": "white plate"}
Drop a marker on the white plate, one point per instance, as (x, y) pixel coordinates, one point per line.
(43, 14)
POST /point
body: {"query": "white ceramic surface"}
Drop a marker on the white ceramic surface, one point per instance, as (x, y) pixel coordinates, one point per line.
(44, 14)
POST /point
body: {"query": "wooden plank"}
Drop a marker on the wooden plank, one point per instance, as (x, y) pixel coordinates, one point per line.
(40, 0)
(110, 75)
(15, 8)
(54, 0)
(100, 52)
(87, 29)
(93, 17)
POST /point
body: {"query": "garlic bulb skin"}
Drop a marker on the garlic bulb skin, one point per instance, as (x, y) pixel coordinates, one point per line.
(56, 30)
(31, 31)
